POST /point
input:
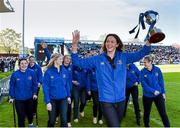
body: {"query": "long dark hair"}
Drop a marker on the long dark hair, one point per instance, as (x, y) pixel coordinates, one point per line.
(118, 40)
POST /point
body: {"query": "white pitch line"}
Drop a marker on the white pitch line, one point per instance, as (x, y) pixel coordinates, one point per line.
(172, 83)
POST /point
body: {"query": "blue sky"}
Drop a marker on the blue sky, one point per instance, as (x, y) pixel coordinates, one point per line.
(58, 18)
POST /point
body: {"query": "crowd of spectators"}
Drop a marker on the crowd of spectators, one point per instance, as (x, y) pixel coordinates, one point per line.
(7, 63)
(162, 54)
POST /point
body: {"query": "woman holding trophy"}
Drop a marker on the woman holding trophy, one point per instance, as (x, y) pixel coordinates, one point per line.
(110, 67)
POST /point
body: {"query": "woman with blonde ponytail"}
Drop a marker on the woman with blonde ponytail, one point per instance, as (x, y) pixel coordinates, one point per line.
(153, 91)
(56, 90)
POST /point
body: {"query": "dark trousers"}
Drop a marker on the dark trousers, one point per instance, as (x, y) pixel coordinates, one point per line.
(61, 106)
(69, 110)
(79, 94)
(24, 108)
(113, 113)
(35, 102)
(160, 105)
(134, 92)
(96, 105)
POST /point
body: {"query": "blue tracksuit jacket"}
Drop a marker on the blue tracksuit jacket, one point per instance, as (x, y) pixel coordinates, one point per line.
(133, 75)
(38, 72)
(151, 81)
(55, 84)
(92, 82)
(69, 70)
(111, 82)
(23, 85)
(80, 75)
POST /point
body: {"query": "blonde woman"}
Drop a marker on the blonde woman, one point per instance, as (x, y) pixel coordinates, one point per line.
(56, 90)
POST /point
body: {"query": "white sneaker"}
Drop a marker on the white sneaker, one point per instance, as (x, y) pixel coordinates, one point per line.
(94, 120)
(76, 120)
(100, 122)
(69, 124)
(57, 119)
(130, 102)
(82, 114)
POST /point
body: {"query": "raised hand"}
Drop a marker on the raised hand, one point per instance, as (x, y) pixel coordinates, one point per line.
(43, 45)
(75, 37)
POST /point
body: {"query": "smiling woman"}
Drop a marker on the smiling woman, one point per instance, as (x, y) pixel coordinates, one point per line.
(110, 67)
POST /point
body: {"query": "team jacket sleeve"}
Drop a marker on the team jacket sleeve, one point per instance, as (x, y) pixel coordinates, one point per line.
(68, 86)
(40, 75)
(161, 81)
(35, 83)
(86, 63)
(136, 56)
(137, 73)
(88, 82)
(45, 87)
(47, 53)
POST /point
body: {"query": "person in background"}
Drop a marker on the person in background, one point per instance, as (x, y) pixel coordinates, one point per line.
(79, 91)
(132, 81)
(23, 89)
(56, 90)
(37, 69)
(69, 68)
(153, 91)
(93, 91)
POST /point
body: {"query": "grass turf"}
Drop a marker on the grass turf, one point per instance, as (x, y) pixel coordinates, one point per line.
(172, 86)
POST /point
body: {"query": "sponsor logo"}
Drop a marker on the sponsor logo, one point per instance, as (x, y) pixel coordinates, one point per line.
(102, 63)
(157, 74)
(119, 62)
(30, 78)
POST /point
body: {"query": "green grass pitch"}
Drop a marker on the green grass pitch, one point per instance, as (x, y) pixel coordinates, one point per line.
(172, 86)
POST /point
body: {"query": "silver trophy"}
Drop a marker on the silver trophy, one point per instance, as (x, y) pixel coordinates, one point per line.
(154, 34)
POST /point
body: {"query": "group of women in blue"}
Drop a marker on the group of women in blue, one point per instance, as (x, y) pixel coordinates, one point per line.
(106, 73)
(110, 67)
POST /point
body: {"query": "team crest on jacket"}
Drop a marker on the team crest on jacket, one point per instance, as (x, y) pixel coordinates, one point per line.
(17, 79)
(156, 73)
(102, 63)
(52, 77)
(64, 75)
(145, 75)
(119, 61)
(132, 72)
(30, 78)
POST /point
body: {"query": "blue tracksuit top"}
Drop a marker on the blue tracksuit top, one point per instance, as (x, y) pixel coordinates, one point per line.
(47, 54)
(55, 84)
(23, 85)
(92, 82)
(69, 70)
(133, 75)
(80, 75)
(111, 82)
(38, 72)
(152, 81)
